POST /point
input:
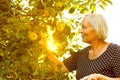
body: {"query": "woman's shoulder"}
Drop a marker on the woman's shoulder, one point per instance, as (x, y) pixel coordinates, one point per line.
(84, 51)
(114, 46)
(80, 51)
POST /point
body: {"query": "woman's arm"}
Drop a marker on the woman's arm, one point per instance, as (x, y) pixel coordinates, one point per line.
(98, 77)
(57, 63)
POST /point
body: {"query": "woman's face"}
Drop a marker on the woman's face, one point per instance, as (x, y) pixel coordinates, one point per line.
(88, 32)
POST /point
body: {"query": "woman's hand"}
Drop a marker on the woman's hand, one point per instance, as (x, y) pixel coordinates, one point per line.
(97, 77)
(57, 63)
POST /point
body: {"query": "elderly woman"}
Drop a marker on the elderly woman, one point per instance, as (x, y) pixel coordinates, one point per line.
(98, 61)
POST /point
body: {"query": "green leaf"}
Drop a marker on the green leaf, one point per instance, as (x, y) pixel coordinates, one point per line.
(84, 10)
(109, 1)
(53, 12)
(93, 7)
(71, 10)
(102, 7)
(104, 3)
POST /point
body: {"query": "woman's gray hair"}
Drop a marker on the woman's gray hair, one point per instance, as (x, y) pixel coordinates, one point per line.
(99, 24)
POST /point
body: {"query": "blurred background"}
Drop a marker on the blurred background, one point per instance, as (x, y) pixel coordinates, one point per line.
(112, 15)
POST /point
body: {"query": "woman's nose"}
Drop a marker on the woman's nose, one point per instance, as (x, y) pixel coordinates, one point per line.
(81, 30)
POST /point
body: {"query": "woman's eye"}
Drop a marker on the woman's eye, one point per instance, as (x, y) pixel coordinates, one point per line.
(84, 27)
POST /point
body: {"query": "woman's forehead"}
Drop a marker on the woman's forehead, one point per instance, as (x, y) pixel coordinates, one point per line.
(85, 22)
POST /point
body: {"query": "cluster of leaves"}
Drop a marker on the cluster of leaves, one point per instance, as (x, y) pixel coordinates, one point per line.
(24, 35)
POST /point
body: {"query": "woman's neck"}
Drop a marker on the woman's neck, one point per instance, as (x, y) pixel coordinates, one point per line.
(97, 44)
(97, 48)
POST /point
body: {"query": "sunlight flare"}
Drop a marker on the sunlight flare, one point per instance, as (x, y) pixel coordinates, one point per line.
(50, 42)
